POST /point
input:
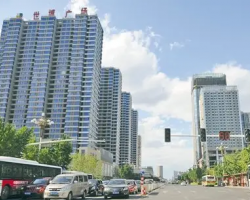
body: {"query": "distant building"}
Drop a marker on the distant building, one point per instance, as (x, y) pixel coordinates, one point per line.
(139, 151)
(245, 120)
(125, 129)
(219, 111)
(106, 158)
(200, 81)
(159, 171)
(134, 137)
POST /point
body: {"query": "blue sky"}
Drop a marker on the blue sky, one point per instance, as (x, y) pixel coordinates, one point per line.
(205, 33)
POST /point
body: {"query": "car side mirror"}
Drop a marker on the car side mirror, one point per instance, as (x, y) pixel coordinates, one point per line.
(50, 181)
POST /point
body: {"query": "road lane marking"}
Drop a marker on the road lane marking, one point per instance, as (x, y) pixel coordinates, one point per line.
(179, 192)
(165, 191)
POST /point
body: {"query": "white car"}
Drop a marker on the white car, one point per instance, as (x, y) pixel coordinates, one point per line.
(183, 183)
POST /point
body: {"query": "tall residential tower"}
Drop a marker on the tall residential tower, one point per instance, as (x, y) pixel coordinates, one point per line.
(125, 129)
(53, 66)
(110, 111)
(134, 137)
(219, 111)
(199, 81)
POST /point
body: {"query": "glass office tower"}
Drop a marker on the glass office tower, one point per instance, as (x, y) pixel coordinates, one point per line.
(53, 66)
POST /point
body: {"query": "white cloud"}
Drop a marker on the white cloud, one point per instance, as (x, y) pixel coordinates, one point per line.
(76, 5)
(176, 45)
(156, 93)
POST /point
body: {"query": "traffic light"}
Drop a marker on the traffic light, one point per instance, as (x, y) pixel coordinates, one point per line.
(203, 135)
(247, 135)
(167, 135)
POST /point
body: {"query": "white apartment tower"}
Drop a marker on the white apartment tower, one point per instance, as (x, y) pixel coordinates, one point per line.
(134, 137)
(138, 164)
(110, 111)
(125, 129)
(219, 111)
(200, 81)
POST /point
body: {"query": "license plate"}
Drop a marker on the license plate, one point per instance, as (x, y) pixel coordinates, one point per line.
(115, 192)
(53, 193)
(27, 193)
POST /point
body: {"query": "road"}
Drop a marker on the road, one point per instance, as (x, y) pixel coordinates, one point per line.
(177, 192)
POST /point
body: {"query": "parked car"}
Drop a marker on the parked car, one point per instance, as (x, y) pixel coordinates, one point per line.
(95, 187)
(183, 183)
(132, 186)
(35, 189)
(116, 188)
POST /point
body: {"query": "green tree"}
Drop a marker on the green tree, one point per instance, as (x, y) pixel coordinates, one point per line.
(218, 170)
(12, 140)
(199, 173)
(57, 154)
(86, 163)
(116, 172)
(126, 171)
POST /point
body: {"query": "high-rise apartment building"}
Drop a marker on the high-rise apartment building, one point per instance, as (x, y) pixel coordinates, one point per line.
(138, 151)
(219, 111)
(53, 66)
(134, 137)
(125, 128)
(110, 111)
(199, 81)
(159, 171)
(245, 120)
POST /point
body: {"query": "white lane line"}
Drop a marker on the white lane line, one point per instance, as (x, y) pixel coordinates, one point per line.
(165, 191)
(179, 192)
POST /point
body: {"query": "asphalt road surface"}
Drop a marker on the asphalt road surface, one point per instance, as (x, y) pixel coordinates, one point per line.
(177, 192)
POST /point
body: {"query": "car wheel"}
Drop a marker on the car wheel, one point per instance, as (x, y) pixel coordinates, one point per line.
(105, 197)
(83, 195)
(5, 193)
(70, 196)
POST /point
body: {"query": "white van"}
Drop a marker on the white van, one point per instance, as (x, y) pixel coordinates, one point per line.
(67, 186)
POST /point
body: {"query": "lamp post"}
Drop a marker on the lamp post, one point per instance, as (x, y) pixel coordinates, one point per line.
(42, 123)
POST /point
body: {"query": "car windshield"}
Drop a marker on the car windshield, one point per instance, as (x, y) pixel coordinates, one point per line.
(117, 182)
(130, 182)
(62, 179)
(92, 181)
(40, 182)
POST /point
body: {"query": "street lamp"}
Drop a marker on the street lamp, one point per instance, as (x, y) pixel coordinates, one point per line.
(222, 148)
(42, 123)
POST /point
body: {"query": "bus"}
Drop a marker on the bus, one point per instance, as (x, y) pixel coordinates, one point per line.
(208, 180)
(17, 172)
(90, 176)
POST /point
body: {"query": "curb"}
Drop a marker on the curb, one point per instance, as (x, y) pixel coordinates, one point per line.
(236, 187)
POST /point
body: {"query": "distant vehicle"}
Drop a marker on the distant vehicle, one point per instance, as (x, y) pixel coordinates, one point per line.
(208, 180)
(90, 176)
(115, 188)
(183, 183)
(16, 173)
(95, 187)
(132, 186)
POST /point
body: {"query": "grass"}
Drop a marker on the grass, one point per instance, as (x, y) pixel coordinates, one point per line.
(193, 183)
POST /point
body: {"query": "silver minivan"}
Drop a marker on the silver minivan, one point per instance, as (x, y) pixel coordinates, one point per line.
(67, 186)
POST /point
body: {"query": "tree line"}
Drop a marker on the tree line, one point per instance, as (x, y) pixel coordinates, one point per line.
(13, 143)
(233, 163)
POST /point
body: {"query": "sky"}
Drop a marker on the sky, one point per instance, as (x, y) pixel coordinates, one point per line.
(158, 46)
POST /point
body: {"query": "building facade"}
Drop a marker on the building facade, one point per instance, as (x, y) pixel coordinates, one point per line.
(198, 82)
(125, 129)
(219, 111)
(110, 111)
(134, 137)
(138, 151)
(245, 120)
(159, 171)
(53, 66)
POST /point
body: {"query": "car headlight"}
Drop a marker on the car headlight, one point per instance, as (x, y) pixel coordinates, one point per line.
(106, 189)
(125, 188)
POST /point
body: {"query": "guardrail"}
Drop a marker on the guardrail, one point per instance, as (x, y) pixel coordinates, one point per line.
(153, 186)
